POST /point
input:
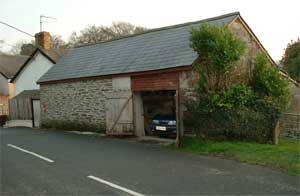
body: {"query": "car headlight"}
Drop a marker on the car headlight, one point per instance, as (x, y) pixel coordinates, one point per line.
(155, 121)
(172, 122)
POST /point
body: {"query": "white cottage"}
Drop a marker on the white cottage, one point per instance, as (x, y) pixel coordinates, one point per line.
(24, 107)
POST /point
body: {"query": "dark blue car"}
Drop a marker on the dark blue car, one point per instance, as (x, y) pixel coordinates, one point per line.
(163, 125)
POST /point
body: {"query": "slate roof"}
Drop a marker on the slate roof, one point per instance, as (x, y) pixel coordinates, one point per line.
(55, 54)
(161, 48)
(10, 64)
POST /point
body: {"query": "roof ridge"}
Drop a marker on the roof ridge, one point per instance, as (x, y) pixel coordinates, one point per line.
(164, 28)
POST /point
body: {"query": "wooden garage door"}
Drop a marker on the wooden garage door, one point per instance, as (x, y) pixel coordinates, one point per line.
(119, 115)
(165, 81)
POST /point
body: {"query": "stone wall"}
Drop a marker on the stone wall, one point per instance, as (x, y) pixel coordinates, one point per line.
(84, 102)
(294, 106)
(290, 119)
(81, 102)
(242, 69)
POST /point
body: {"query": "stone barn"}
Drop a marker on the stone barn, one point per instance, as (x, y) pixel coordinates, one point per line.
(121, 84)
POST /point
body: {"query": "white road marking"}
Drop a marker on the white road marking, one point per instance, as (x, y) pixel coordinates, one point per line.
(32, 153)
(115, 186)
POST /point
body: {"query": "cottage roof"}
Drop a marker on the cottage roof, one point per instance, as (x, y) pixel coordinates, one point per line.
(156, 49)
(51, 55)
(10, 64)
(28, 94)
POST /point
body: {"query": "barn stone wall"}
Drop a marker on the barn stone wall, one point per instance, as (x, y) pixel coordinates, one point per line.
(84, 102)
(80, 102)
(243, 68)
(290, 119)
(241, 71)
(294, 106)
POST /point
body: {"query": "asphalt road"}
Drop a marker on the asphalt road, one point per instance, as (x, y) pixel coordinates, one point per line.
(89, 165)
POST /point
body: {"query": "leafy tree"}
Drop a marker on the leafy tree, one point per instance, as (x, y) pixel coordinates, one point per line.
(27, 49)
(291, 59)
(218, 49)
(223, 109)
(96, 34)
(268, 83)
(22, 47)
(16, 48)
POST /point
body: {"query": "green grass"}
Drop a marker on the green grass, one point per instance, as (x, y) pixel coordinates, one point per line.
(284, 156)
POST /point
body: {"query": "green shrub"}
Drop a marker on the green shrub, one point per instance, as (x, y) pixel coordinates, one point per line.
(218, 49)
(225, 110)
(233, 96)
(269, 85)
(291, 59)
(3, 119)
(231, 123)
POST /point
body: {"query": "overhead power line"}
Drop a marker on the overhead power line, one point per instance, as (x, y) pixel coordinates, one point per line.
(16, 29)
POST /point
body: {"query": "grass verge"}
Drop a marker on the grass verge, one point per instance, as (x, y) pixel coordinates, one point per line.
(284, 156)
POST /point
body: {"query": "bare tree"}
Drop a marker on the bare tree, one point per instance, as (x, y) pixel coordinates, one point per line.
(1, 46)
(96, 34)
(89, 35)
(120, 29)
(57, 42)
(22, 47)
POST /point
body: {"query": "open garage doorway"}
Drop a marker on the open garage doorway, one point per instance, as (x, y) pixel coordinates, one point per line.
(155, 113)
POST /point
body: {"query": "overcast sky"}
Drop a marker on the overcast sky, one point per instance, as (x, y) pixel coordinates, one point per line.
(275, 22)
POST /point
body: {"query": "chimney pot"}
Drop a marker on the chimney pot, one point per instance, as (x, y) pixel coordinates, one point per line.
(43, 39)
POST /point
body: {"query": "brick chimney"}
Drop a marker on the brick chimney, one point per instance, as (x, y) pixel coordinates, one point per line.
(43, 39)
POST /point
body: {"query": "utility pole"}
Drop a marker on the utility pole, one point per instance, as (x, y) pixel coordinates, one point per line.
(43, 21)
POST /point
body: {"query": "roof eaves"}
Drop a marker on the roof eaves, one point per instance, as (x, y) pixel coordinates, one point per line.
(5, 76)
(256, 38)
(46, 55)
(284, 74)
(281, 71)
(164, 70)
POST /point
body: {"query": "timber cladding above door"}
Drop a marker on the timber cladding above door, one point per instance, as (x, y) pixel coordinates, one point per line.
(160, 81)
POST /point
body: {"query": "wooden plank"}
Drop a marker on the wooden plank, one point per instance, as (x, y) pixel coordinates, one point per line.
(138, 114)
(165, 81)
(166, 70)
(20, 108)
(119, 115)
(178, 131)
